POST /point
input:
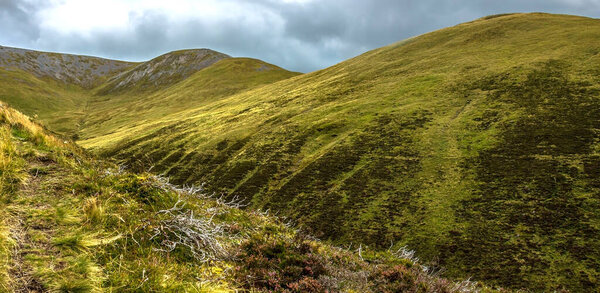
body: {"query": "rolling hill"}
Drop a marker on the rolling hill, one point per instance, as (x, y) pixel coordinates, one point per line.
(475, 145)
(162, 71)
(53, 87)
(72, 223)
(119, 113)
(63, 90)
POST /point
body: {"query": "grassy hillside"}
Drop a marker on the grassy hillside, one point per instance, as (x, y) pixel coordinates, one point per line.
(58, 105)
(84, 71)
(162, 71)
(53, 87)
(121, 113)
(72, 223)
(70, 92)
(476, 145)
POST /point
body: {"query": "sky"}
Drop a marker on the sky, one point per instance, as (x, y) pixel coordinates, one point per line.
(299, 35)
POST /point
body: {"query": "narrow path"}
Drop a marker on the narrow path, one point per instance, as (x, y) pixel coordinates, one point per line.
(21, 275)
(442, 172)
(23, 227)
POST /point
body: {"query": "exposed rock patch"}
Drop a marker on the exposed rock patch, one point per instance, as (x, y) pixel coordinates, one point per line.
(164, 70)
(81, 70)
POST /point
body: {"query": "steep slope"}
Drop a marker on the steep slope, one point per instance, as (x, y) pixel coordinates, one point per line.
(51, 86)
(162, 71)
(119, 113)
(476, 145)
(71, 223)
(59, 88)
(84, 71)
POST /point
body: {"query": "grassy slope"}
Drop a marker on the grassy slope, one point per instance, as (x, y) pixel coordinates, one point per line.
(162, 71)
(71, 223)
(475, 145)
(58, 105)
(53, 87)
(65, 104)
(120, 113)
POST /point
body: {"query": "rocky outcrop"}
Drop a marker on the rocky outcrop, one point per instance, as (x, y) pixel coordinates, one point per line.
(163, 71)
(85, 71)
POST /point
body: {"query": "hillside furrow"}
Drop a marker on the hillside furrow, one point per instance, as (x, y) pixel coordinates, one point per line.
(77, 224)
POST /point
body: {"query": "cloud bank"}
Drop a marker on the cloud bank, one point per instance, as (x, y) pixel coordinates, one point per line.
(301, 35)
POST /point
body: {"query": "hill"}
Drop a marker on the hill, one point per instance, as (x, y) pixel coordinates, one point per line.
(65, 91)
(84, 71)
(162, 71)
(51, 86)
(476, 145)
(120, 113)
(72, 223)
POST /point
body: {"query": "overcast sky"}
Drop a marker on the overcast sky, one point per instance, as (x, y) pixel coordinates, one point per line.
(300, 35)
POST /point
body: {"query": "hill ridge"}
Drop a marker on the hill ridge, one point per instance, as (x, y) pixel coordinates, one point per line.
(82, 70)
(164, 70)
(401, 143)
(475, 145)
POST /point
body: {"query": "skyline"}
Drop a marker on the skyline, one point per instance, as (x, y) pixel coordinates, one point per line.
(299, 35)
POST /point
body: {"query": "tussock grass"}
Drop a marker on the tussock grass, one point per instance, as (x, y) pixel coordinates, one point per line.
(475, 145)
(88, 226)
(7, 245)
(77, 242)
(80, 275)
(93, 211)
(80, 241)
(66, 216)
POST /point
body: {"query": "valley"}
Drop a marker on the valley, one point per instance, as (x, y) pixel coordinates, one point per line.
(476, 146)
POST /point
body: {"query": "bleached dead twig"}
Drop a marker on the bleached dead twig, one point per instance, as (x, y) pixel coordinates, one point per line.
(197, 235)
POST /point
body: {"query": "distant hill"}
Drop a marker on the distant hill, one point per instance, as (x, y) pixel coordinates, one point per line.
(120, 113)
(52, 86)
(65, 91)
(162, 71)
(72, 223)
(84, 71)
(477, 145)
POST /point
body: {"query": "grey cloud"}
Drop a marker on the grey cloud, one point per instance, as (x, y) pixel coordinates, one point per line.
(17, 24)
(297, 36)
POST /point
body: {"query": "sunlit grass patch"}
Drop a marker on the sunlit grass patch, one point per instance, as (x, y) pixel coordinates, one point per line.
(80, 242)
(7, 245)
(77, 273)
(93, 210)
(11, 164)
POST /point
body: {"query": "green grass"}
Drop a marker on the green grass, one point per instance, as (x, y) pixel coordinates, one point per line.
(385, 147)
(83, 225)
(475, 145)
(120, 113)
(57, 105)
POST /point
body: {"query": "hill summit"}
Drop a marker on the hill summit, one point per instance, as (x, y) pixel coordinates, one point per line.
(164, 70)
(475, 145)
(81, 70)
